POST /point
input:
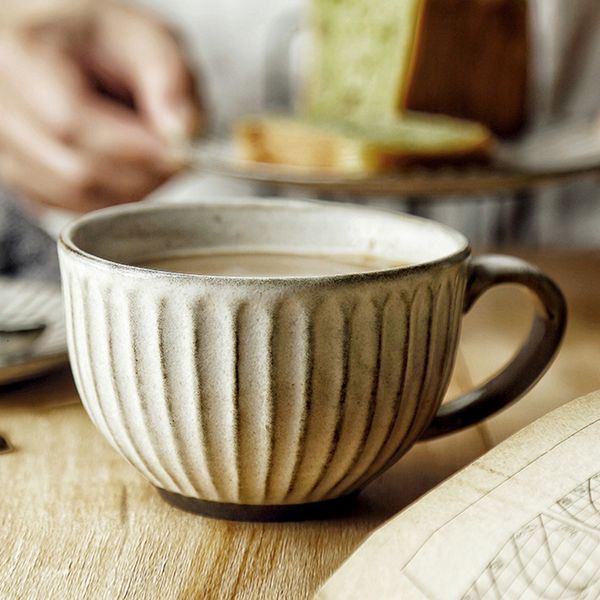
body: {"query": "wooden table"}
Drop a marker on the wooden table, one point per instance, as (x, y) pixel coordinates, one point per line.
(76, 521)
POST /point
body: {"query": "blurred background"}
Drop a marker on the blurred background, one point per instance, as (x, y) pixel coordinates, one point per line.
(96, 96)
(99, 100)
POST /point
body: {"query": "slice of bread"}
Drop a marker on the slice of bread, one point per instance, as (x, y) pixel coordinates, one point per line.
(376, 58)
(352, 147)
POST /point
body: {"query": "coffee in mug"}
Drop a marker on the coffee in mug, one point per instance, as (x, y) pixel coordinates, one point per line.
(267, 264)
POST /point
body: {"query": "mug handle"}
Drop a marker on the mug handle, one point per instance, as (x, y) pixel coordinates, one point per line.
(530, 362)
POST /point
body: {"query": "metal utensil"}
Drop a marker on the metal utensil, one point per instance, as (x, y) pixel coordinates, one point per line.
(17, 340)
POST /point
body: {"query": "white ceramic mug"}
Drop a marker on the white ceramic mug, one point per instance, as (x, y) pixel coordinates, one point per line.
(276, 398)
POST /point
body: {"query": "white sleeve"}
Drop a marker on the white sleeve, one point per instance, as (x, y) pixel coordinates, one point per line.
(565, 59)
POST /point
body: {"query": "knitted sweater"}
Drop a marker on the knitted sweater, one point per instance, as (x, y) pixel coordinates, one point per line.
(25, 249)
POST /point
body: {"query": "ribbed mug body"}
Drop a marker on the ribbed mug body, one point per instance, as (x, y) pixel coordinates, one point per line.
(269, 392)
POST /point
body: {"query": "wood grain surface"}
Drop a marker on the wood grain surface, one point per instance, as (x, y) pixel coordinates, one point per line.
(76, 521)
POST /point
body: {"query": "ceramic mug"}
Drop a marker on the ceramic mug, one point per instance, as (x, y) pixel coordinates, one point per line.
(278, 398)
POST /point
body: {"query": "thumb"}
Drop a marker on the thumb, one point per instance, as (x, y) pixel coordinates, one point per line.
(143, 53)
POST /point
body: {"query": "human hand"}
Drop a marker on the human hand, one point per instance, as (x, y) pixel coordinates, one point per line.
(92, 100)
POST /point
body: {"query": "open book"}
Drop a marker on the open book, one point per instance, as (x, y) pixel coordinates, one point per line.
(522, 522)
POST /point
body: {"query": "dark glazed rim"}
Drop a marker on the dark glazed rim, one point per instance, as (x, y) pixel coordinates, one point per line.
(67, 244)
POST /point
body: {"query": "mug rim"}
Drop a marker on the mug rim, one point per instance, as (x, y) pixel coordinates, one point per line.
(67, 244)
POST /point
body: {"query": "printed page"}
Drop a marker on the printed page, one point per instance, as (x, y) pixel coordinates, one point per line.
(522, 523)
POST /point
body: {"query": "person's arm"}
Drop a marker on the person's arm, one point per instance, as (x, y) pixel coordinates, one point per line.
(92, 95)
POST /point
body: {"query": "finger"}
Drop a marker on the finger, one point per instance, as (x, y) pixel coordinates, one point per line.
(16, 173)
(47, 169)
(70, 110)
(38, 183)
(144, 54)
(25, 138)
(124, 183)
(50, 189)
(36, 72)
(116, 133)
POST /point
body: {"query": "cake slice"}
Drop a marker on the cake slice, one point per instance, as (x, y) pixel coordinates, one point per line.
(376, 58)
(352, 147)
(362, 55)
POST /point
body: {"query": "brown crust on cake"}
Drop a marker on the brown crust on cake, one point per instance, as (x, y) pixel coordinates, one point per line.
(390, 163)
(471, 61)
(410, 72)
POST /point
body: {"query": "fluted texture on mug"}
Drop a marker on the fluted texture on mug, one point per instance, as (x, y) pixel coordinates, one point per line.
(284, 397)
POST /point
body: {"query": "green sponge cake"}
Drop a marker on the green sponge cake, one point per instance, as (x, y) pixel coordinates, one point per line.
(362, 56)
(351, 147)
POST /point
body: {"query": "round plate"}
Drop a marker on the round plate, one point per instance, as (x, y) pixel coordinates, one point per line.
(24, 301)
(219, 157)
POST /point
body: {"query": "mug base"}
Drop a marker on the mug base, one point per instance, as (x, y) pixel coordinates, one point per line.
(325, 509)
